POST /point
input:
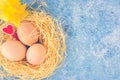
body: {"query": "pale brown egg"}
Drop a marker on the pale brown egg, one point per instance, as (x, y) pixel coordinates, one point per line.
(27, 33)
(36, 54)
(13, 50)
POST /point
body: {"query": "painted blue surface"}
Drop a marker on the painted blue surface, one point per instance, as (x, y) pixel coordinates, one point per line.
(92, 29)
(93, 39)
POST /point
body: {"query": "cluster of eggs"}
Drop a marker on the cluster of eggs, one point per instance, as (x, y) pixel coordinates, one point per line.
(27, 47)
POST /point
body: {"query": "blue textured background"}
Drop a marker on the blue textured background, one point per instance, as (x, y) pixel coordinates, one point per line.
(93, 39)
(92, 29)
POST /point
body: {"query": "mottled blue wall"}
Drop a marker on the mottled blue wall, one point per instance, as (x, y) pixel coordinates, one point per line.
(92, 29)
(93, 39)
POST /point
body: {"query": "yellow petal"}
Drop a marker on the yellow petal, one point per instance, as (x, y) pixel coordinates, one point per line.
(12, 11)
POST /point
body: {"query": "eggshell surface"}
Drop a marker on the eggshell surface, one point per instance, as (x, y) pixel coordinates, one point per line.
(36, 54)
(27, 33)
(13, 50)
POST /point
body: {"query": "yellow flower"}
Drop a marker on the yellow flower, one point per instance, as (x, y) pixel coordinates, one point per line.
(12, 11)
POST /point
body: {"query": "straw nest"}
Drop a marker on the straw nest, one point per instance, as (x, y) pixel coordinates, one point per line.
(51, 36)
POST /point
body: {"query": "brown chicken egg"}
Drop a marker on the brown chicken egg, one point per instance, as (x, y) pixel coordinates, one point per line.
(27, 33)
(36, 54)
(13, 50)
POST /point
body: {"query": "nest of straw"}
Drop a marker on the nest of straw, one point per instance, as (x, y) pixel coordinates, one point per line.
(51, 36)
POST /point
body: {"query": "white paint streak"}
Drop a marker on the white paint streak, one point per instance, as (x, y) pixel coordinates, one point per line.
(113, 39)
